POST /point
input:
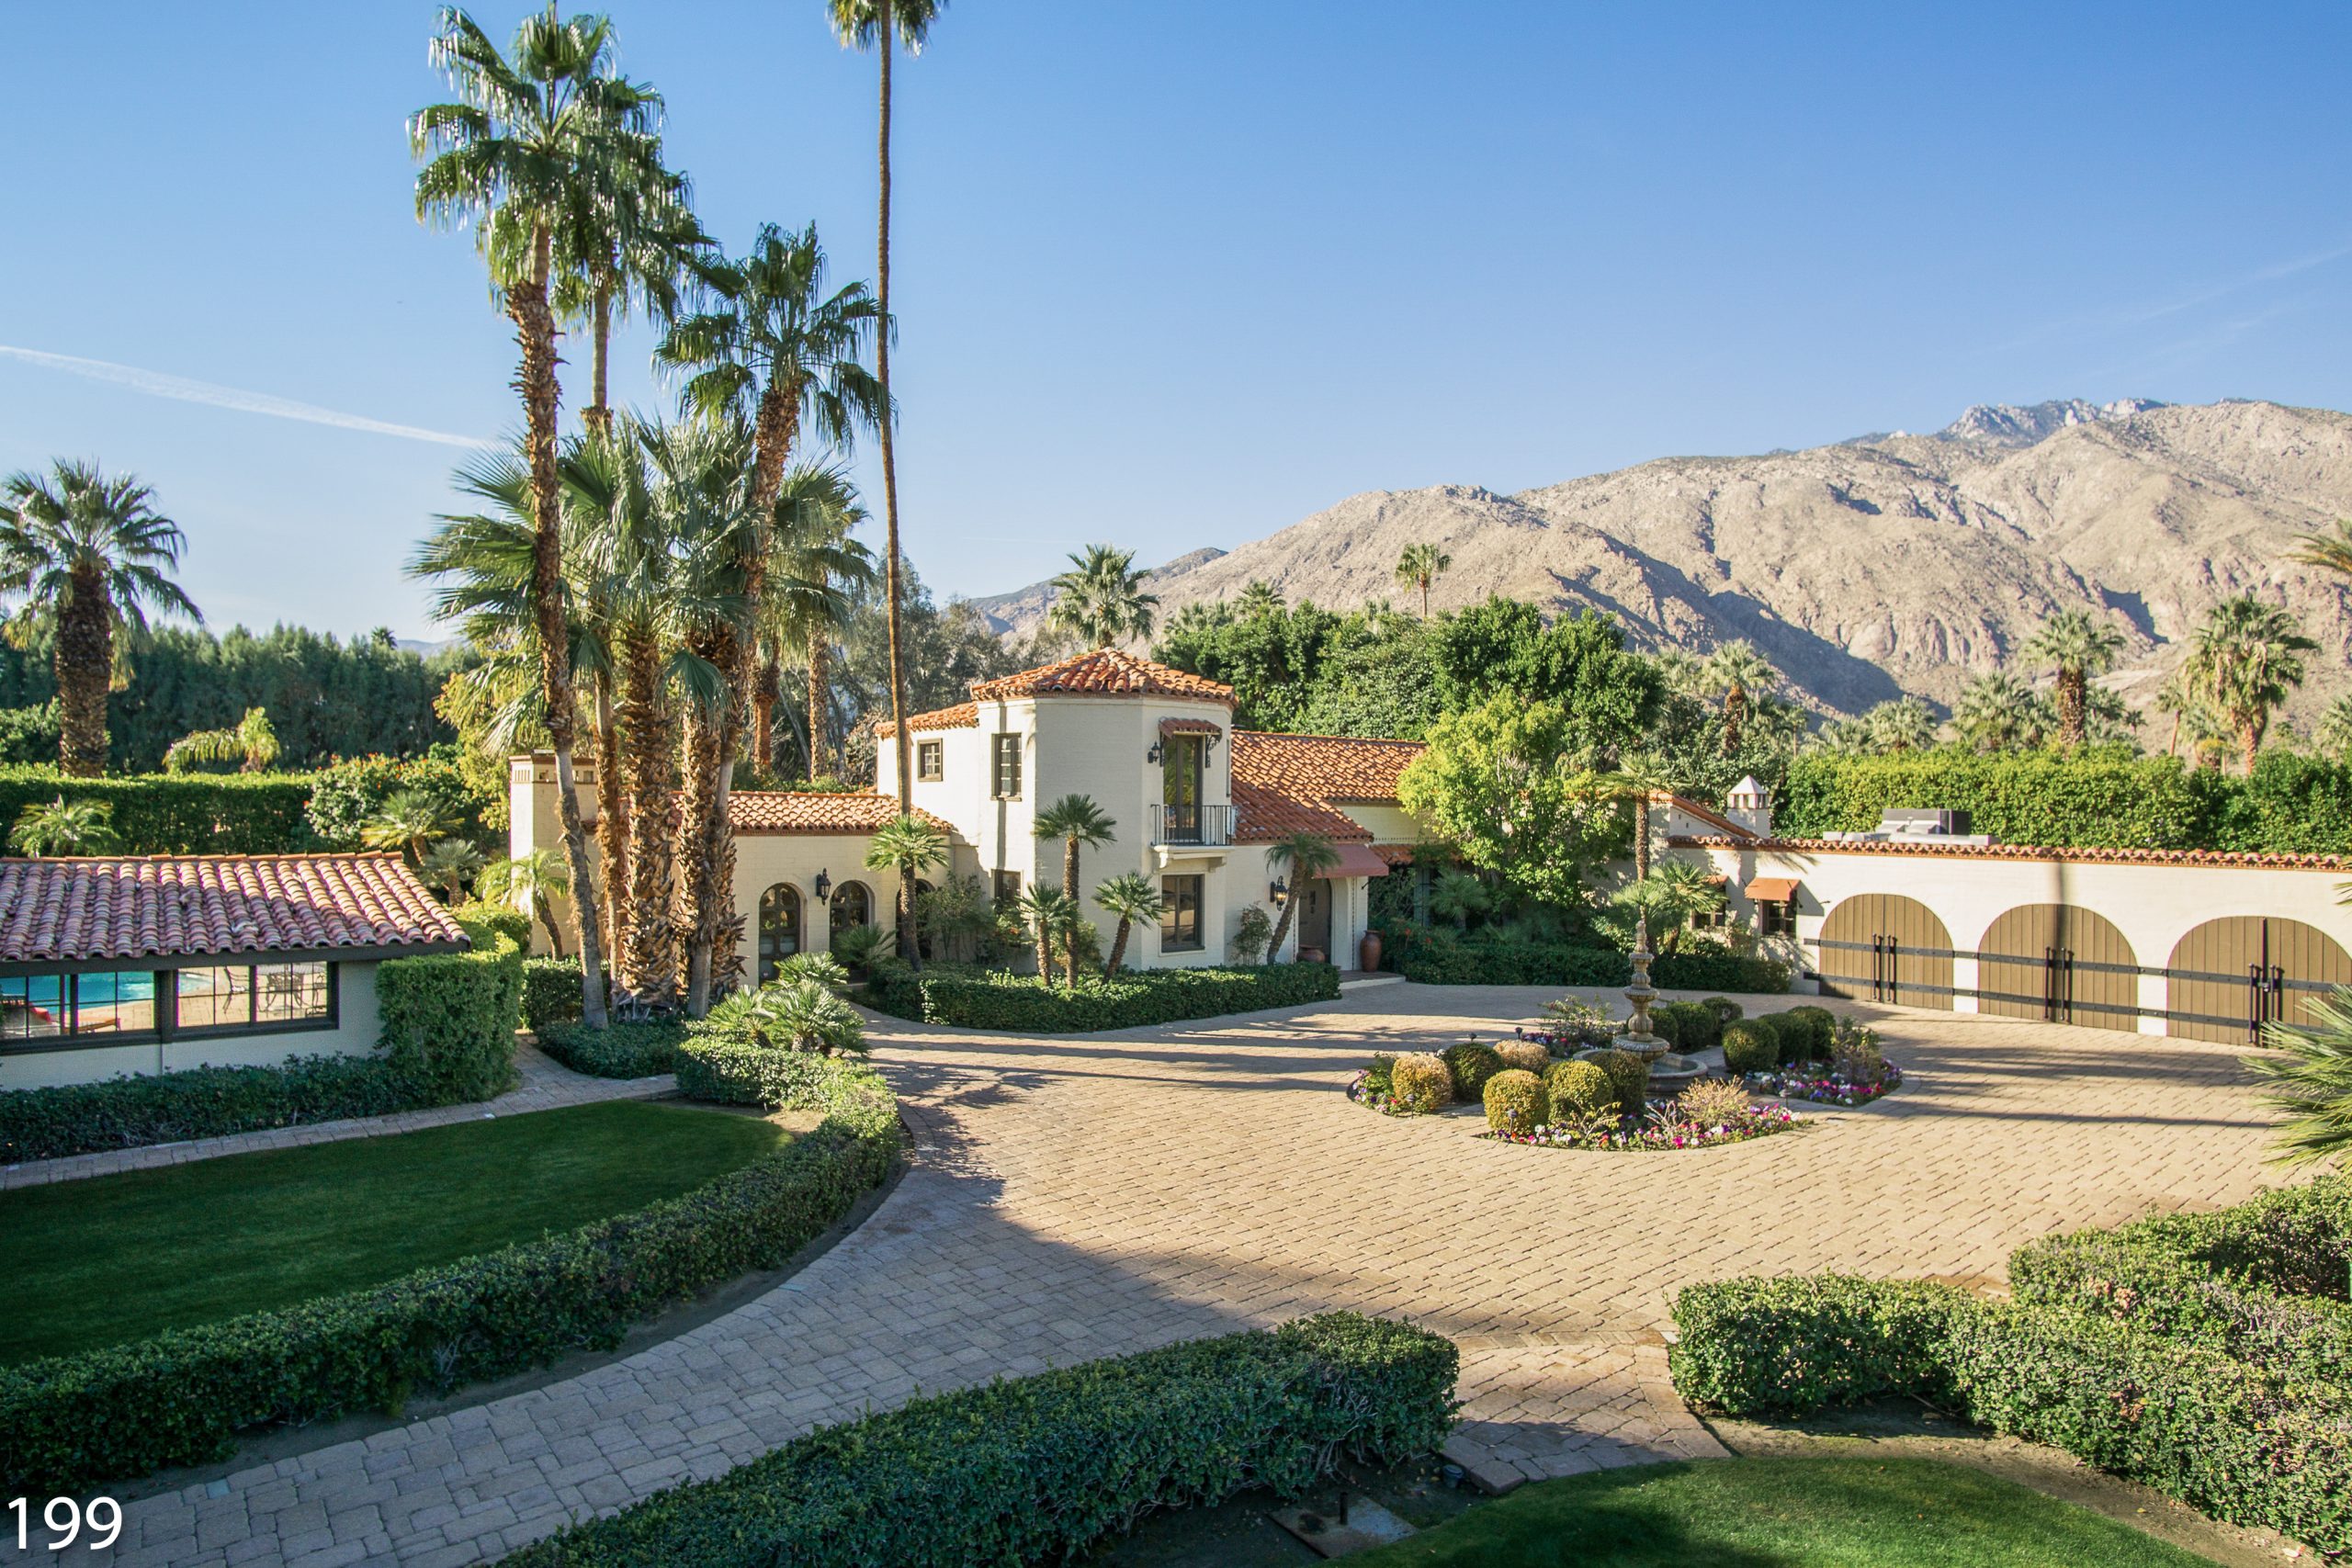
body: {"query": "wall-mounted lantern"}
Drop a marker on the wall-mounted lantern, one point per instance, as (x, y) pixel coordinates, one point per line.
(1279, 891)
(1152, 756)
(824, 886)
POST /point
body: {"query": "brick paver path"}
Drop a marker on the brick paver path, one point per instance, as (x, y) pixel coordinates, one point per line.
(546, 1085)
(1077, 1198)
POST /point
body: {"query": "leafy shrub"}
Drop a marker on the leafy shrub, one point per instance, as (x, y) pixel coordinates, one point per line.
(1666, 1025)
(550, 992)
(1516, 1102)
(1821, 1030)
(1420, 1083)
(1580, 1088)
(1713, 1102)
(1629, 1077)
(1524, 1054)
(991, 998)
(1750, 1048)
(181, 1398)
(199, 1102)
(787, 1015)
(1791, 1345)
(624, 1049)
(1697, 1027)
(1472, 1065)
(1854, 1055)
(448, 1019)
(1443, 958)
(2030, 797)
(179, 814)
(480, 917)
(1716, 970)
(1726, 1010)
(345, 798)
(1378, 1075)
(1038, 1469)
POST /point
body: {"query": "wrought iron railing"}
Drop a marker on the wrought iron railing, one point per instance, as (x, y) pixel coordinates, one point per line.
(1206, 824)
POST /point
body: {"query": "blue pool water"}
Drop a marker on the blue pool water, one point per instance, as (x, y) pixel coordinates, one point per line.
(44, 990)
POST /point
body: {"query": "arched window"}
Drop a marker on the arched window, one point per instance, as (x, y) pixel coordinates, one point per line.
(853, 907)
(779, 928)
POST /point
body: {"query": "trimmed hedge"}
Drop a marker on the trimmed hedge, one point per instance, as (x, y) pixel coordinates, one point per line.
(198, 1102)
(623, 1050)
(70, 1422)
(449, 1019)
(178, 814)
(990, 998)
(1440, 958)
(1038, 1469)
(1790, 1345)
(550, 992)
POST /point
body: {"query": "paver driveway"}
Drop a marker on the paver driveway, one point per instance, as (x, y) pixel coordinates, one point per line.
(1077, 1198)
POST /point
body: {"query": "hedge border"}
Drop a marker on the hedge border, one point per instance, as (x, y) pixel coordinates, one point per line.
(988, 998)
(181, 1398)
(1039, 1468)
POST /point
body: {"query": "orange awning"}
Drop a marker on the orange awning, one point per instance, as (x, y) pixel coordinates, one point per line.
(1772, 889)
(1358, 860)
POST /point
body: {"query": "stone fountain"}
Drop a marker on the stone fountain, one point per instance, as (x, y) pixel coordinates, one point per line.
(1669, 1071)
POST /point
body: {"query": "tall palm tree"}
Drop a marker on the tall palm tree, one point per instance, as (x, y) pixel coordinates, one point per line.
(1904, 724)
(1133, 898)
(1077, 821)
(1100, 600)
(513, 154)
(1637, 779)
(89, 556)
(1051, 916)
(909, 846)
(2248, 655)
(817, 569)
(1418, 567)
(1998, 712)
(1740, 675)
(884, 24)
(1258, 597)
(2333, 734)
(530, 877)
(2080, 646)
(768, 346)
(1301, 854)
(2180, 696)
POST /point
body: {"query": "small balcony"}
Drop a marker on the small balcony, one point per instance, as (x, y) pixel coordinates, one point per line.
(1207, 827)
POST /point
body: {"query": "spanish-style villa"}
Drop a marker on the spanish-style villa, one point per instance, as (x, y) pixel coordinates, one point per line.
(112, 966)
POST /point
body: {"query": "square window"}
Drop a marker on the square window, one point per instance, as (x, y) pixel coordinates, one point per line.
(216, 999)
(1776, 919)
(290, 992)
(1180, 918)
(1007, 889)
(115, 1004)
(930, 761)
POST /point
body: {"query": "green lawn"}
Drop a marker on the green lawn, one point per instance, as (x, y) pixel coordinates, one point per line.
(119, 1258)
(1767, 1513)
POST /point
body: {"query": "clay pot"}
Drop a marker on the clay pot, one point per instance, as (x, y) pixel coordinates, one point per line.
(1368, 951)
(1310, 956)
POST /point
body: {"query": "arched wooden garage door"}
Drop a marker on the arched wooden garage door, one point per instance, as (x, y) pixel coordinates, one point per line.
(1882, 947)
(2230, 976)
(2061, 963)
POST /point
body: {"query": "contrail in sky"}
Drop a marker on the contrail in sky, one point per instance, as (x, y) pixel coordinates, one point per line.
(155, 384)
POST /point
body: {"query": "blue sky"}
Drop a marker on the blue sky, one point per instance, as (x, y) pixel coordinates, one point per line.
(1180, 273)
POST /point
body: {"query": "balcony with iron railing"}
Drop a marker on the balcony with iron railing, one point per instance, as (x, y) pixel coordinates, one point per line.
(1208, 827)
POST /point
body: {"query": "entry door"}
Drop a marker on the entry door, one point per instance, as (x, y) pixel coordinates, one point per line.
(1181, 760)
(1314, 919)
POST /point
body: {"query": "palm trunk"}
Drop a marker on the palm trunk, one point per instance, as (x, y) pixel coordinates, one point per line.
(908, 941)
(613, 820)
(1118, 948)
(526, 301)
(907, 948)
(1642, 837)
(703, 844)
(2071, 703)
(85, 666)
(1425, 598)
(1734, 713)
(764, 697)
(1282, 927)
(1044, 954)
(821, 749)
(2250, 739)
(2172, 746)
(644, 962)
(1069, 891)
(598, 415)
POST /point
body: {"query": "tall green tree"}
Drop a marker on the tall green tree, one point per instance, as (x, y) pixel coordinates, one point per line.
(817, 568)
(1418, 568)
(884, 26)
(2248, 655)
(1100, 600)
(1131, 898)
(1740, 675)
(909, 846)
(1512, 788)
(2078, 646)
(88, 556)
(1079, 823)
(513, 154)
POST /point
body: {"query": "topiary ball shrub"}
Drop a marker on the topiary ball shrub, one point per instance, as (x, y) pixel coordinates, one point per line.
(1749, 1048)
(1696, 1027)
(1666, 1025)
(1630, 1076)
(1578, 1088)
(1524, 1054)
(1726, 1010)
(1516, 1101)
(1419, 1083)
(1821, 1030)
(1472, 1065)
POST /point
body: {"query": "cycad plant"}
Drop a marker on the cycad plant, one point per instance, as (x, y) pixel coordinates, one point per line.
(1131, 898)
(88, 556)
(408, 822)
(2310, 1079)
(910, 846)
(63, 826)
(450, 865)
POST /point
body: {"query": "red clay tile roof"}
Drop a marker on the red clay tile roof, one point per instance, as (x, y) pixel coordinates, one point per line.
(77, 910)
(1260, 814)
(802, 811)
(1106, 672)
(1395, 854)
(2074, 856)
(963, 716)
(1326, 768)
(1706, 814)
(1169, 727)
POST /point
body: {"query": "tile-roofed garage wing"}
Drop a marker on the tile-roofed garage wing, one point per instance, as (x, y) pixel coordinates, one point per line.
(963, 716)
(1322, 767)
(83, 910)
(1105, 672)
(1260, 815)
(808, 811)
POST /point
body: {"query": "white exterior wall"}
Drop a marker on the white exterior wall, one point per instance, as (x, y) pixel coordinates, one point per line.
(960, 793)
(355, 1033)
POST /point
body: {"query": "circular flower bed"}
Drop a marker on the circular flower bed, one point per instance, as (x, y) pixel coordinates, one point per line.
(1817, 1088)
(1663, 1128)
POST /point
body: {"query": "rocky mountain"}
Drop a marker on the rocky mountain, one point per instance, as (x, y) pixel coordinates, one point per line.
(1020, 611)
(1885, 565)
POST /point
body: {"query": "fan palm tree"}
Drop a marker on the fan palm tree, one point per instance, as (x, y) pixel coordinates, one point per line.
(1078, 822)
(450, 865)
(1998, 712)
(1677, 890)
(2330, 547)
(1637, 779)
(1680, 671)
(1133, 898)
(1418, 567)
(531, 877)
(884, 24)
(1258, 597)
(1905, 723)
(816, 573)
(251, 745)
(409, 821)
(1100, 600)
(65, 827)
(2247, 657)
(1301, 854)
(1740, 675)
(2079, 646)
(89, 556)
(909, 846)
(2179, 696)
(514, 154)
(1050, 916)
(2334, 735)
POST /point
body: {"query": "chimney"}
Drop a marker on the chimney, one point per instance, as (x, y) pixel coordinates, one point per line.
(1750, 805)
